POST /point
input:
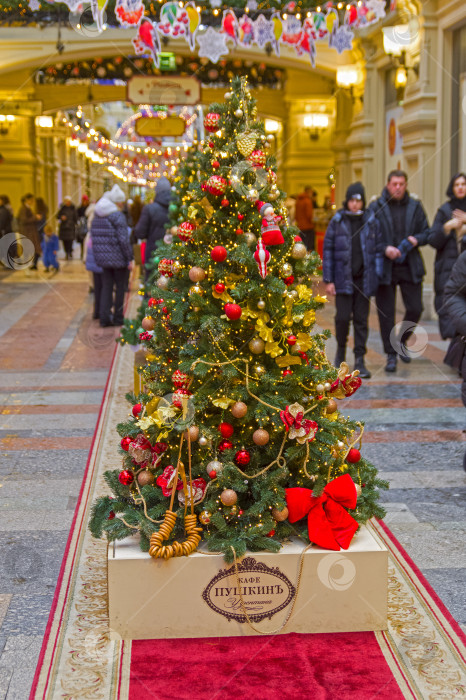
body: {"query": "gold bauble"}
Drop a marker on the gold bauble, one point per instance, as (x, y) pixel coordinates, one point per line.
(358, 490)
(256, 346)
(162, 282)
(176, 266)
(196, 274)
(239, 409)
(145, 477)
(250, 239)
(260, 436)
(331, 407)
(193, 431)
(196, 289)
(261, 304)
(228, 497)
(298, 251)
(148, 323)
(280, 515)
(286, 270)
(259, 370)
(204, 517)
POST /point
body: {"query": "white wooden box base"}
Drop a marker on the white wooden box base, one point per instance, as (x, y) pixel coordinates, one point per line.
(342, 591)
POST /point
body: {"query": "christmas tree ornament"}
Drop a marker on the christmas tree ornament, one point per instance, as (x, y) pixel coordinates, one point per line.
(111, 515)
(140, 449)
(126, 477)
(225, 445)
(287, 372)
(136, 410)
(242, 458)
(270, 138)
(226, 430)
(298, 251)
(252, 195)
(145, 478)
(196, 308)
(233, 311)
(238, 113)
(250, 239)
(320, 388)
(203, 441)
(186, 230)
(211, 120)
(213, 474)
(163, 282)
(289, 280)
(262, 257)
(193, 432)
(239, 231)
(176, 267)
(340, 445)
(271, 533)
(260, 437)
(152, 302)
(196, 274)
(224, 203)
(125, 443)
(291, 339)
(228, 95)
(270, 231)
(204, 517)
(215, 164)
(214, 466)
(280, 514)
(331, 407)
(286, 270)
(218, 253)
(216, 185)
(358, 490)
(195, 289)
(256, 346)
(148, 323)
(229, 497)
(257, 159)
(327, 386)
(261, 304)
(219, 287)
(239, 409)
(246, 142)
(165, 267)
(259, 370)
(353, 456)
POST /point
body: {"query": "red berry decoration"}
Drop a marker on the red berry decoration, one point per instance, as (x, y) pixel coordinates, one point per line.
(211, 120)
(215, 164)
(289, 280)
(224, 202)
(225, 445)
(287, 372)
(213, 474)
(136, 410)
(216, 185)
(186, 230)
(111, 515)
(291, 340)
(353, 455)
(242, 458)
(165, 310)
(219, 287)
(219, 253)
(226, 430)
(233, 311)
(125, 443)
(126, 477)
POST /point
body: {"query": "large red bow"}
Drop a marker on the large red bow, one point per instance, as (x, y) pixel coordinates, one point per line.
(329, 525)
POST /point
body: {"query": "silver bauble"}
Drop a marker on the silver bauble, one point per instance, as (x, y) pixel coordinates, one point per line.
(256, 346)
(214, 465)
(238, 113)
(261, 304)
(163, 282)
(168, 238)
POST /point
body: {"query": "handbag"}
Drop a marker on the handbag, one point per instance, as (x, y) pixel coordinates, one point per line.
(455, 352)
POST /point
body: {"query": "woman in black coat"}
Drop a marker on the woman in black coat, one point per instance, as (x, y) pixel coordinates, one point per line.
(68, 219)
(447, 237)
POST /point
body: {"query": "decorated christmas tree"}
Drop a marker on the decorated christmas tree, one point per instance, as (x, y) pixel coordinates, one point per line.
(237, 439)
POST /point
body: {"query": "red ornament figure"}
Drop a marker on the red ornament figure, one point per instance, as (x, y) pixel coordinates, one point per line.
(270, 231)
(211, 122)
(233, 311)
(225, 445)
(262, 257)
(257, 159)
(186, 230)
(218, 254)
(219, 287)
(136, 410)
(226, 430)
(242, 458)
(216, 185)
(126, 477)
(353, 456)
(125, 443)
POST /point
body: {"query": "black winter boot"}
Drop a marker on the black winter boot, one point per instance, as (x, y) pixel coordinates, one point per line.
(341, 355)
(359, 365)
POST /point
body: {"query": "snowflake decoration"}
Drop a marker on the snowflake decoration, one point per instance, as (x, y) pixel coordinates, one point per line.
(342, 39)
(251, 5)
(263, 31)
(377, 7)
(212, 45)
(34, 5)
(215, 3)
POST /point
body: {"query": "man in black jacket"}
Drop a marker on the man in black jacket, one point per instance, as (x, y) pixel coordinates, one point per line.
(404, 229)
(154, 216)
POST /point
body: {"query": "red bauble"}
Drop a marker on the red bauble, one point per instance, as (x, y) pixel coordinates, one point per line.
(180, 379)
(211, 144)
(186, 230)
(216, 185)
(215, 164)
(165, 267)
(126, 477)
(213, 474)
(353, 455)
(111, 515)
(125, 443)
(242, 458)
(239, 231)
(287, 372)
(291, 340)
(211, 122)
(271, 533)
(224, 202)
(297, 239)
(136, 410)
(225, 445)
(152, 302)
(257, 158)
(165, 310)
(219, 287)
(219, 253)
(289, 280)
(233, 311)
(240, 217)
(226, 430)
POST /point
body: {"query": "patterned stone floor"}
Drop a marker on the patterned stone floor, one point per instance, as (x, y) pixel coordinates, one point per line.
(54, 361)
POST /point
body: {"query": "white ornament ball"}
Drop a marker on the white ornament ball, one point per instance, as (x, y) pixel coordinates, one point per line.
(168, 238)
(162, 282)
(340, 444)
(327, 386)
(214, 465)
(228, 95)
(320, 388)
(203, 441)
(261, 304)
(238, 113)
(270, 138)
(253, 195)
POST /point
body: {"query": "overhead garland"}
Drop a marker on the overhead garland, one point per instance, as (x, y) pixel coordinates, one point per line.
(217, 27)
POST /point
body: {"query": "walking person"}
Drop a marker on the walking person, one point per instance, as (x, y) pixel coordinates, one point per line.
(68, 218)
(447, 236)
(405, 228)
(42, 212)
(352, 261)
(154, 216)
(304, 213)
(97, 275)
(82, 223)
(6, 216)
(112, 252)
(27, 225)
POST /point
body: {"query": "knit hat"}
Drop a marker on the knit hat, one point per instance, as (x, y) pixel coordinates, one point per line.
(264, 208)
(116, 195)
(355, 191)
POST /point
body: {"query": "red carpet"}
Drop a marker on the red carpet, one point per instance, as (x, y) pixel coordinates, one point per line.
(349, 666)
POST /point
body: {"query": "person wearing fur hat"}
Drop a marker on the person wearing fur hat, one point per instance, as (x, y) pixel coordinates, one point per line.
(112, 253)
(352, 263)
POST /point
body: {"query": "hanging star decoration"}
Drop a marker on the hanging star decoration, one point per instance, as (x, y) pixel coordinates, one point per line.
(34, 5)
(263, 31)
(212, 45)
(377, 7)
(342, 39)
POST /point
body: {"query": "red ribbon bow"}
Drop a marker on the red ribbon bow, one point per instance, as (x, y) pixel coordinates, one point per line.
(329, 525)
(298, 422)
